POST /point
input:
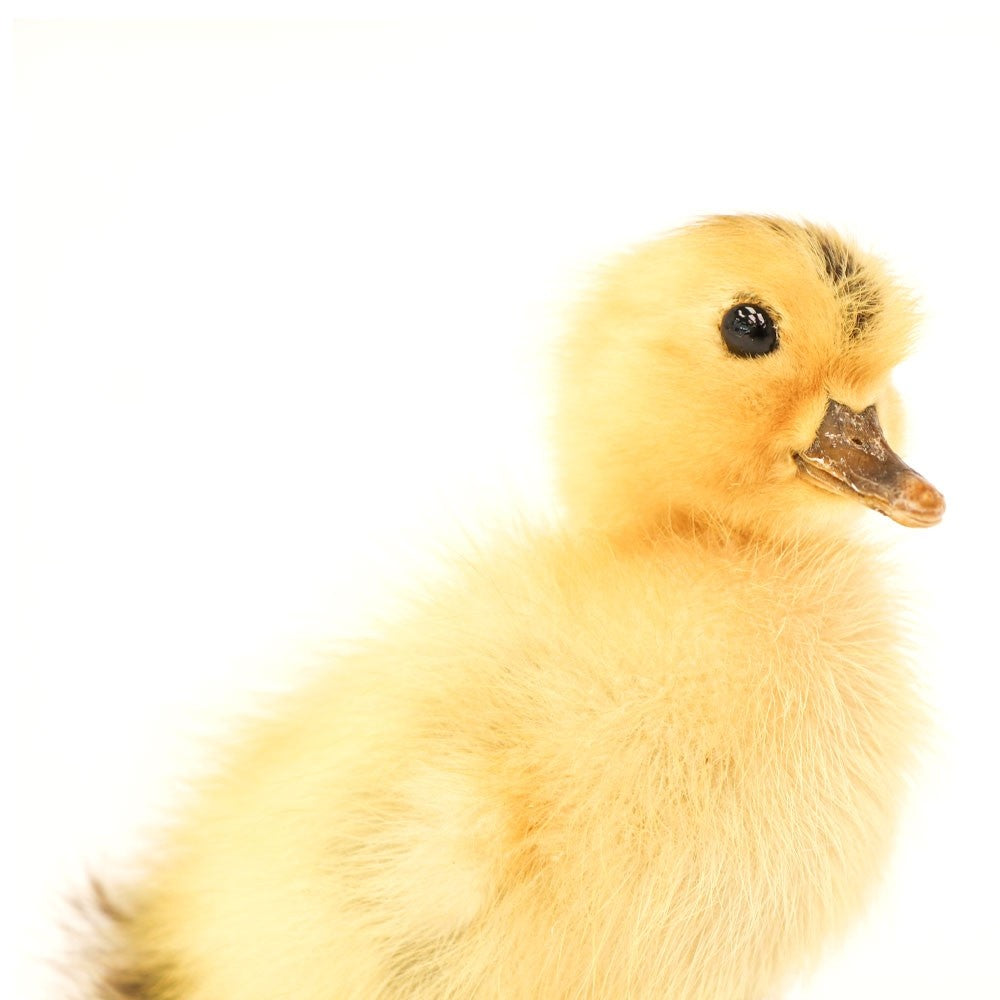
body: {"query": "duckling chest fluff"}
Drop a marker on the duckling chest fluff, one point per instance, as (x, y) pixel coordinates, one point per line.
(657, 753)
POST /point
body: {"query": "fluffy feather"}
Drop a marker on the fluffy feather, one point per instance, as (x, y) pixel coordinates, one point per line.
(657, 753)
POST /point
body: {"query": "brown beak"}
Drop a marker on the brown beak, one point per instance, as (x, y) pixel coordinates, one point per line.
(850, 456)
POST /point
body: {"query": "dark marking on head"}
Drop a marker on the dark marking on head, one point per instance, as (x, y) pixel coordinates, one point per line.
(838, 262)
(865, 301)
(776, 225)
(853, 286)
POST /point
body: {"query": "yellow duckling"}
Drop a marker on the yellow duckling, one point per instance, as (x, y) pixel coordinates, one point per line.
(655, 755)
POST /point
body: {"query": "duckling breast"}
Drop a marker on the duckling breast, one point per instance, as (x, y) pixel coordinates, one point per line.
(702, 777)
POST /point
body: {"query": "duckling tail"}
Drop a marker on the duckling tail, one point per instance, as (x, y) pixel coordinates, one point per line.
(117, 971)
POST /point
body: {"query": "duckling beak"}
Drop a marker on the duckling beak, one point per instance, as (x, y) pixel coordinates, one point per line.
(850, 457)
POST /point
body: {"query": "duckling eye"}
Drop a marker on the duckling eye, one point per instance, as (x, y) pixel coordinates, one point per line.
(749, 331)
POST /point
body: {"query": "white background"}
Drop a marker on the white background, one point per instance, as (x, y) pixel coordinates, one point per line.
(285, 297)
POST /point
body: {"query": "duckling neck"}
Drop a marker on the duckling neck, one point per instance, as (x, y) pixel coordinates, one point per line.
(706, 529)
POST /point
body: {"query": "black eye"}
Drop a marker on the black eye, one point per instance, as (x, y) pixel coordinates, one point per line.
(749, 331)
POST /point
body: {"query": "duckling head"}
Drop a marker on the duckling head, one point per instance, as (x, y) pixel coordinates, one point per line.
(737, 373)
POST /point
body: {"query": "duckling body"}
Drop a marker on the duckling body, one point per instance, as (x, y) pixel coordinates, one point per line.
(657, 753)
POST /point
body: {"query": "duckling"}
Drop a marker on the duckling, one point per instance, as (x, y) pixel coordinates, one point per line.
(656, 752)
